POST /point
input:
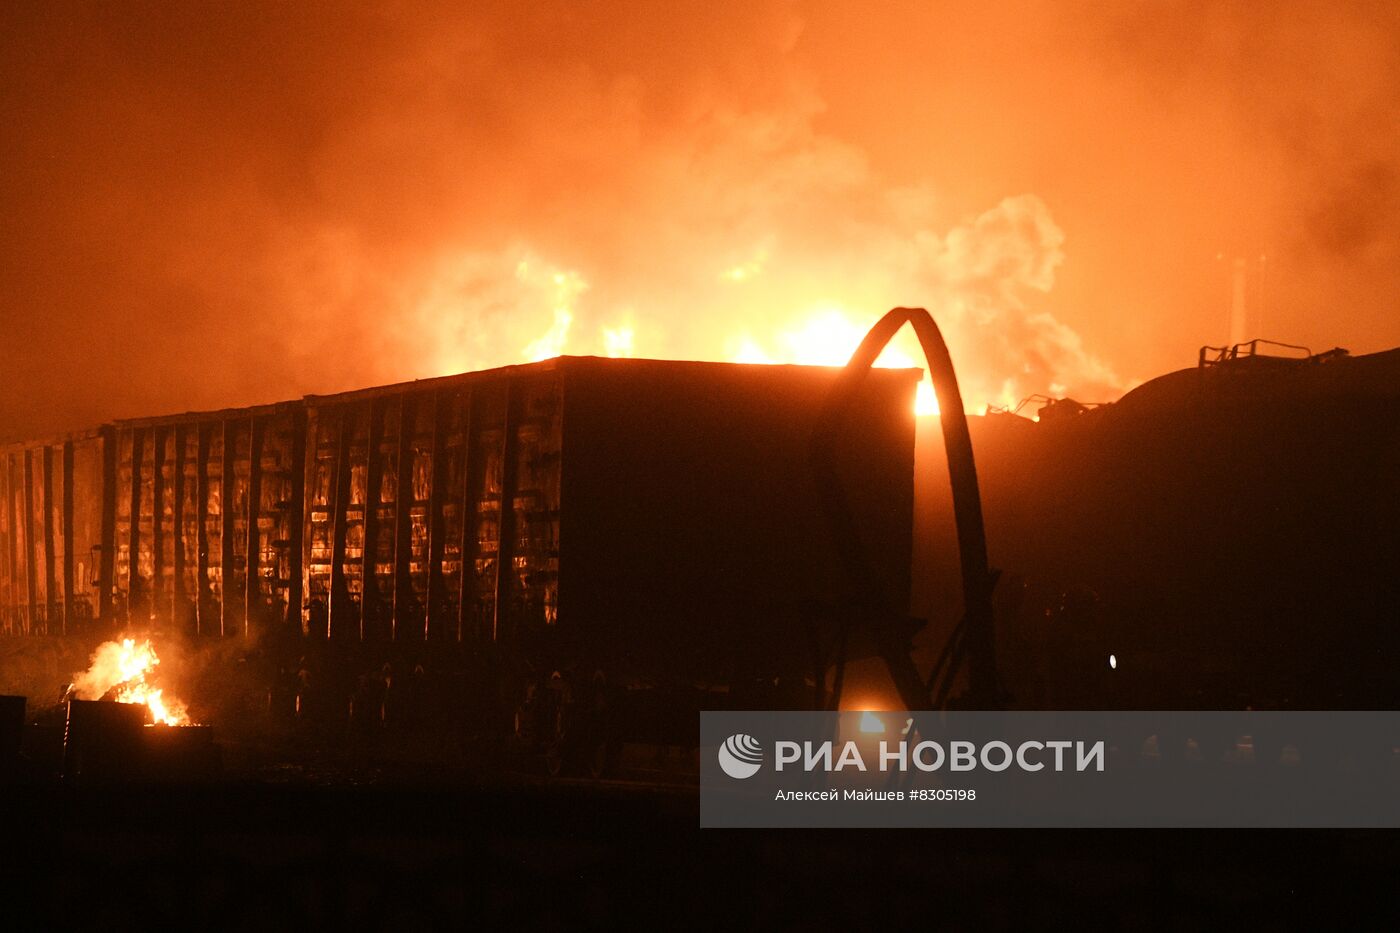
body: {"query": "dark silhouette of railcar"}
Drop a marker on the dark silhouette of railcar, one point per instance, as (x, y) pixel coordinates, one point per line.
(525, 542)
(1226, 536)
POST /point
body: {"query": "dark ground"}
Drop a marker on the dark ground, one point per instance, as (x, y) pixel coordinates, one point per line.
(525, 853)
(300, 833)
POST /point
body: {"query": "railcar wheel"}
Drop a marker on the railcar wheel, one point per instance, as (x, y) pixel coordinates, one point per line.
(555, 721)
(524, 732)
(600, 745)
(556, 744)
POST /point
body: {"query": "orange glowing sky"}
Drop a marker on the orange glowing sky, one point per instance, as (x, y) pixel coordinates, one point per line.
(210, 205)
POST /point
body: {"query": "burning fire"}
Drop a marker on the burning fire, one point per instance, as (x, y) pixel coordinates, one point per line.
(776, 298)
(828, 338)
(779, 301)
(120, 669)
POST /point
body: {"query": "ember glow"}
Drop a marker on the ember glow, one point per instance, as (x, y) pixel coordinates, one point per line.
(119, 671)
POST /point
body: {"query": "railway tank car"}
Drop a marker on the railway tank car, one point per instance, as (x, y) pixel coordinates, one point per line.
(544, 537)
(1223, 537)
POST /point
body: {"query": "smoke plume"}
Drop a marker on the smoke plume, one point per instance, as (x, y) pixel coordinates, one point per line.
(213, 205)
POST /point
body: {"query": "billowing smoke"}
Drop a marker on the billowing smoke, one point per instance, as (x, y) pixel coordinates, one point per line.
(214, 205)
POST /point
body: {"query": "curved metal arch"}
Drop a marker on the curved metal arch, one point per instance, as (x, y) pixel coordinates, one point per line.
(975, 633)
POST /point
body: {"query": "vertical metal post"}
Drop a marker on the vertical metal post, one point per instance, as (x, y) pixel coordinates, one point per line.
(30, 571)
(52, 625)
(227, 621)
(13, 492)
(69, 584)
(133, 546)
(466, 586)
(158, 438)
(203, 618)
(296, 518)
(505, 545)
(7, 475)
(177, 516)
(403, 515)
(7, 572)
(374, 478)
(253, 613)
(108, 556)
(13, 621)
(340, 597)
(432, 620)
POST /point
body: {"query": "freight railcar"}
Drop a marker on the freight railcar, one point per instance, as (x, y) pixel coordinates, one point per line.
(1222, 537)
(52, 529)
(581, 523)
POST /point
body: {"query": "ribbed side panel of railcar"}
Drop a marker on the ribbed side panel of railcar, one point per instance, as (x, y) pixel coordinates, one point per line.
(50, 535)
(432, 509)
(205, 521)
(83, 532)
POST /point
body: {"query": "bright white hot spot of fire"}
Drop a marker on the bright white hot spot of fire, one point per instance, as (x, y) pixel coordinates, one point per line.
(120, 669)
(566, 287)
(619, 341)
(828, 337)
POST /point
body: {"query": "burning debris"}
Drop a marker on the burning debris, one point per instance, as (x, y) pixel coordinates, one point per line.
(119, 671)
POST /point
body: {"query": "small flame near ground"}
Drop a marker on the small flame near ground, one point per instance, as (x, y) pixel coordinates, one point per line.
(120, 669)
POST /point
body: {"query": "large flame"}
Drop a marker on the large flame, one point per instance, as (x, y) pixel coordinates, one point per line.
(120, 669)
(787, 300)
